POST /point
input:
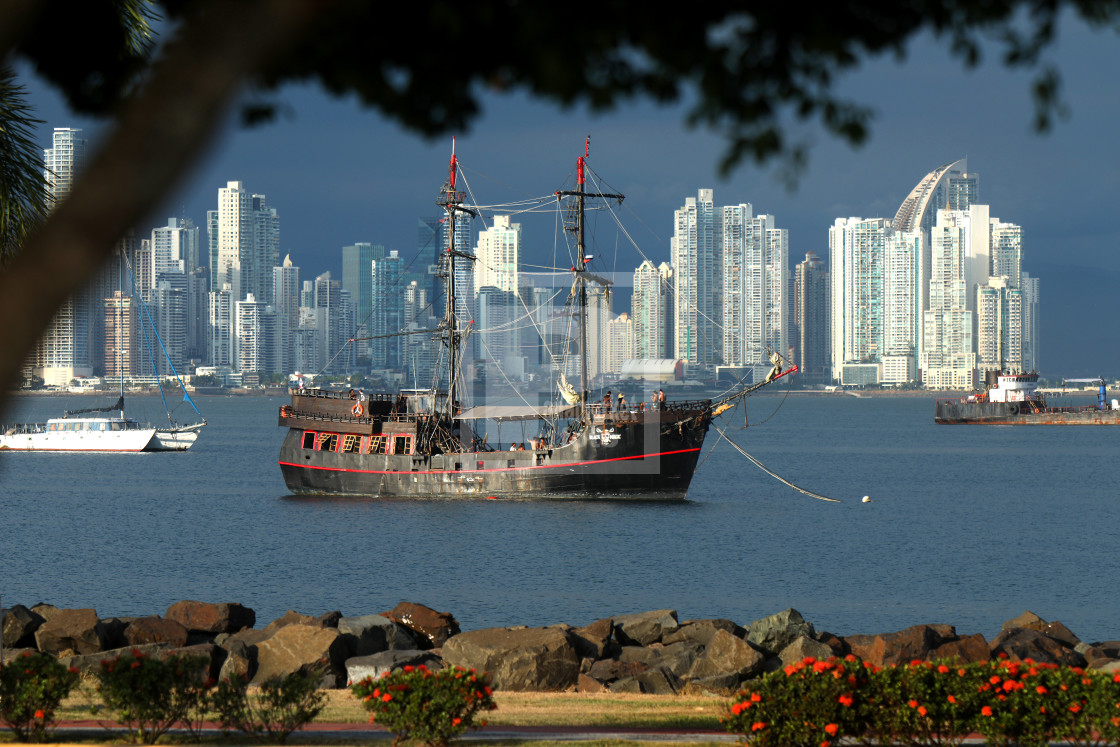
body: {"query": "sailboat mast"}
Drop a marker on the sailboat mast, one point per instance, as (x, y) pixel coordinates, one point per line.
(120, 317)
(580, 267)
(451, 201)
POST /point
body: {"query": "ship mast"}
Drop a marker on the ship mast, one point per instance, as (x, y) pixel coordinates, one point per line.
(451, 201)
(580, 269)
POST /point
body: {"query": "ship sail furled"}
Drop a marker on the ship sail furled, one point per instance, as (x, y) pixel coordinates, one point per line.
(567, 391)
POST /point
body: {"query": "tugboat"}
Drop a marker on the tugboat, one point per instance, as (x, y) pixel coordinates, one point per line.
(421, 443)
(1013, 399)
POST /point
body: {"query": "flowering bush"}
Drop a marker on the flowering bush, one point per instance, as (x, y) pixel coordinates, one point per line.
(814, 703)
(31, 689)
(148, 696)
(811, 703)
(283, 705)
(429, 707)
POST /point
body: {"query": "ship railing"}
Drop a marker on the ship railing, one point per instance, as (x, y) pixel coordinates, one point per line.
(340, 394)
(20, 429)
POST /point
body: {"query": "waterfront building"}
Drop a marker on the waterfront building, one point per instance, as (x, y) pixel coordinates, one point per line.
(697, 298)
(856, 248)
(220, 326)
(65, 352)
(119, 320)
(256, 337)
(754, 259)
(357, 276)
(1031, 342)
(620, 346)
(902, 255)
(999, 327)
(811, 321)
(385, 314)
(286, 302)
(948, 186)
(167, 311)
(948, 357)
(497, 256)
(651, 310)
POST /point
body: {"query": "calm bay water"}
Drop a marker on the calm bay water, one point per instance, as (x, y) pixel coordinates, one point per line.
(968, 526)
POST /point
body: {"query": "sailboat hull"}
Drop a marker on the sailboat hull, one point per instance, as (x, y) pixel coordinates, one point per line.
(645, 456)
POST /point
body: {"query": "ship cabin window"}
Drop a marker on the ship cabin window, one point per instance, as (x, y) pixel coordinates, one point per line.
(328, 441)
(308, 440)
(351, 444)
(376, 445)
(402, 444)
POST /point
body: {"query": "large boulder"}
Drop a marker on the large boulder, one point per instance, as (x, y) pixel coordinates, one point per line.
(517, 658)
(594, 641)
(291, 617)
(434, 626)
(20, 625)
(303, 648)
(1031, 621)
(963, 649)
(701, 631)
(777, 631)
(375, 665)
(155, 630)
(78, 631)
(205, 617)
(803, 648)
(650, 681)
(45, 611)
(644, 628)
(91, 663)
(1020, 644)
(726, 661)
(371, 634)
(675, 659)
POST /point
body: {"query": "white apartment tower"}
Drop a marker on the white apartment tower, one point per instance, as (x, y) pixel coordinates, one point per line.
(856, 248)
(497, 256)
(754, 256)
(651, 310)
(948, 358)
(696, 303)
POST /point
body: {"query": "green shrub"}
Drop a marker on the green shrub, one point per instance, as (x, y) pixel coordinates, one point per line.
(429, 707)
(283, 705)
(148, 696)
(31, 688)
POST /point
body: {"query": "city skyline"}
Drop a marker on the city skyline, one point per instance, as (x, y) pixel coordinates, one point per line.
(339, 175)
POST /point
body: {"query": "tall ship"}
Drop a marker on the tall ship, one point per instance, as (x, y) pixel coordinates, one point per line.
(426, 443)
(1014, 399)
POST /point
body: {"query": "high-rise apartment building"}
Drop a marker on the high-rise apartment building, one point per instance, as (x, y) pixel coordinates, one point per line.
(65, 350)
(651, 310)
(697, 302)
(811, 321)
(497, 256)
(285, 295)
(856, 262)
(256, 336)
(902, 257)
(754, 262)
(386, 311)
(948, 358)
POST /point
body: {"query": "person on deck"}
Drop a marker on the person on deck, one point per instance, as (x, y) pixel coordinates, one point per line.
(622, 401)
(661, 399)
(607, 401)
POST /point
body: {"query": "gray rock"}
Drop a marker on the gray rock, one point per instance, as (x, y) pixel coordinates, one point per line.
(517, 659)
(701, 631)
(802, 648)
(240, 662)
(644, 628)
(20, 625)
(375, 665)
(651, 681)
(371, 634)
(594, 641)
(777, 631)
(79, 631)
(303, 648)
(1026, 643)
(726, 662)
(675, 659)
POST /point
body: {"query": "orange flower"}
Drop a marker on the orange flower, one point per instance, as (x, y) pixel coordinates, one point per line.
(942, 669)
(851, 659)
(40, 715)
(756, 698)
(913, 704)
(831, 729)
(952, 699)
(986, 711)
(1041, 690)
(845, 700)
(1075, 708)
(922, 710)
(456, 721)
(386, 698)
(758, 726)
(738, 708)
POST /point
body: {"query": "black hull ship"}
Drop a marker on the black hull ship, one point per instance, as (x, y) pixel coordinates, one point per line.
(421, 443)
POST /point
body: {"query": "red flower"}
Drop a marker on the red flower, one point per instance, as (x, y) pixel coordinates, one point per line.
(952, 699)
(942, 669)
(40, 715)
(386, 698)
(831, 729)
(913, 704)
(845, 700)
(922, 710)
(758, 726)
(756, 698)
(1075, 708)
(456, 721)
(407, 668)
(986, 711)
(1041, 690)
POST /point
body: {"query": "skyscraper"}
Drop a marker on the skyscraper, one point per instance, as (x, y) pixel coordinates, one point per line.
(856, 263)
(64, 351)
(948, 357)
(386, 311)
(696, 334)
(811, 320)
(651, 310)
(754, 261)
(497, 256)
(285, 294)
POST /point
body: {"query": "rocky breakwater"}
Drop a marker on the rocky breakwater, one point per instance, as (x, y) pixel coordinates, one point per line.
(649, 652)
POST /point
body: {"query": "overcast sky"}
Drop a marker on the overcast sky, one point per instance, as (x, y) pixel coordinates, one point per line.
(339, 174)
